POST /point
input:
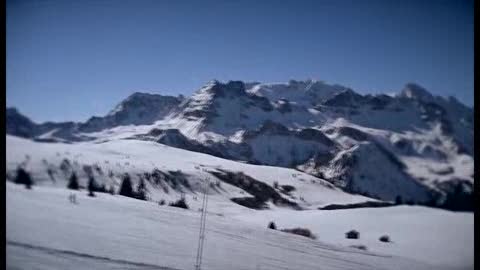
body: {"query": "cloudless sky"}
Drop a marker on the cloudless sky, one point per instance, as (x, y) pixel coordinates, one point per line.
(69, 60)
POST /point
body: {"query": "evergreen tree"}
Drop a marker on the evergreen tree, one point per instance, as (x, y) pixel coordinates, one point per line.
(141, 190)
(111, 190)
(23, 177)
(398, 200)
(73, 182)
(126, 187)
(91, 186)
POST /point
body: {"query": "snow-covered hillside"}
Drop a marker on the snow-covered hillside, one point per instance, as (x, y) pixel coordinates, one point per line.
(112, 159)
(45, 231)
(137, 234)
(412, 146)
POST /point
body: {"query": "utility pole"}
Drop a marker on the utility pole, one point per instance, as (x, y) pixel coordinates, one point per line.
(201, 235)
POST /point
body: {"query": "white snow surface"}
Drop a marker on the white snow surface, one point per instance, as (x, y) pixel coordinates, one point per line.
(143, 235)
(115, 232)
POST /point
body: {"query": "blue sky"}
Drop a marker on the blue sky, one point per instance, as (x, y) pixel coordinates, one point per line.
(69, 60)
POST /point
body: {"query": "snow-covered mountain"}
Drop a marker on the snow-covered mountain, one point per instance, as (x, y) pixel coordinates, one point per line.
(412, 146)
(137, 109)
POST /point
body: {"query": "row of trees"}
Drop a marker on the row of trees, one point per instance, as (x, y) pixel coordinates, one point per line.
(24, 178)
(126, 188)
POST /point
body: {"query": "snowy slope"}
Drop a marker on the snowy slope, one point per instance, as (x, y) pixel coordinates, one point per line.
(114, 232)
(437, 238)
(137, 157)
(434, 236)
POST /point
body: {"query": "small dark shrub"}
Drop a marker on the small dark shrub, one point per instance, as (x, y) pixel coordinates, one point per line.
(180, 203)
(288, 188)
(272, 225)
(300, 231)
(384, 238)
(161, 202)
(352, 234)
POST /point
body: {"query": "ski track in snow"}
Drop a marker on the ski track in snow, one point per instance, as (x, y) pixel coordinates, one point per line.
(22, 251)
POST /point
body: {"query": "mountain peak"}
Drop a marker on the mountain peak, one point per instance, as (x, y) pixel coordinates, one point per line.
(142, 95)
(219, 89)
(415, 91)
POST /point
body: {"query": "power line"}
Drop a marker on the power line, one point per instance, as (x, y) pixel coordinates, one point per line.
(203, 218)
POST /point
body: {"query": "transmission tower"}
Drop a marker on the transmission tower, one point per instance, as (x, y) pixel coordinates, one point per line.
(201, 235)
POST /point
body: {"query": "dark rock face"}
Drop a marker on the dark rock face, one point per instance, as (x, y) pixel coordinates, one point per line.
(137, 109)
(19, 125)
(273, 128)
(368, 204)
(250, 202)
(174, 138)
(346, 98)
(379, 102)
(261, 191)
(176, 180)
(353, 133)
(311, 134)
(230, 89)
(284, 106)
(415, 91)
(390, 156)
(459, 195)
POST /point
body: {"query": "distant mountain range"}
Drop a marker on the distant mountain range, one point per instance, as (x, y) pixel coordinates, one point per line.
(412, 146)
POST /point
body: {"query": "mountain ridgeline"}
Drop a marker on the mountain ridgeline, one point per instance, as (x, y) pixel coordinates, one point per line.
(411, 147)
